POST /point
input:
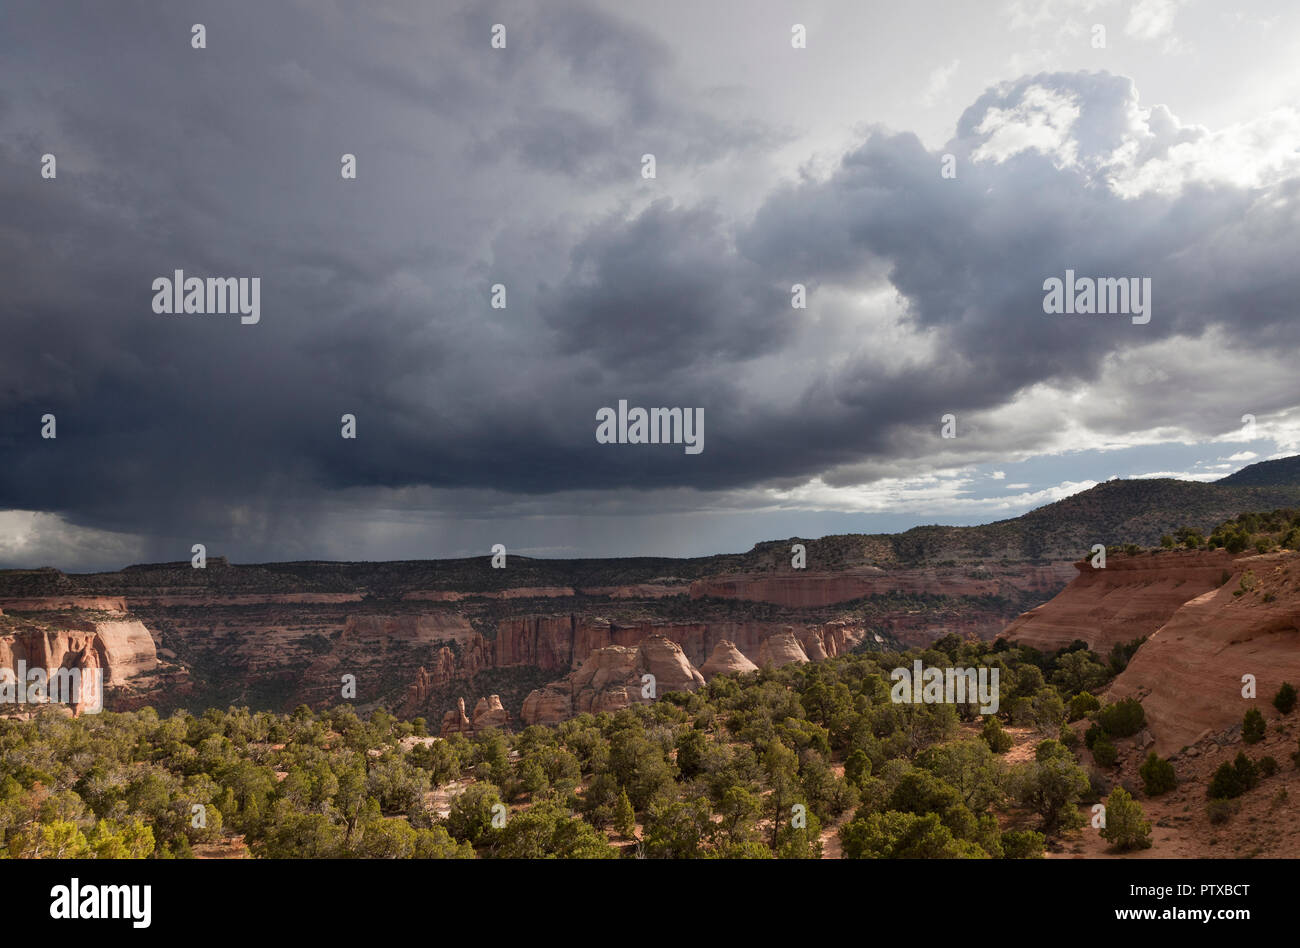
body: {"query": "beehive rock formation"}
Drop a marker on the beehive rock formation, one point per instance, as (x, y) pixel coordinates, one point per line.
(612, 678)
(726, 660)
(781, 649)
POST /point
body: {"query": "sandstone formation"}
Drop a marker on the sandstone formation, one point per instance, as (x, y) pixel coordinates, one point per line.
(1188, 675)
(726, 660)
(489, 713)
(547, 705)
(456, 721)
(781, 649)
(1132, 597)
(612, 678)
(117, 648)
(90, 696)
(128, 648)
(556, 643)
(662, 657)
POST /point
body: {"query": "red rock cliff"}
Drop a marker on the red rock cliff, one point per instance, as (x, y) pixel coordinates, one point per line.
(1132, 597)
(1188, 675)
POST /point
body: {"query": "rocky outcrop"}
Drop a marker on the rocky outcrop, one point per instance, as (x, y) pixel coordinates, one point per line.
(662, 657)
(726, 660)
(547, 642)
(128, 648)
(612, 678)
(113, 650)
(456, 721)
(1132, 597)
(1188, 674)
(90, 686)
(699, 639)
(547, 705)
(781, 649)
(489, 713)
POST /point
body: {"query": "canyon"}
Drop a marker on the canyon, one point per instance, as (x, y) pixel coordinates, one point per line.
(543, 639)
(279, 635)
(541, 653)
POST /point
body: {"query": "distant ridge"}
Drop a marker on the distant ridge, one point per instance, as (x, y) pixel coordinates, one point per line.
(1278, 472)
(1115, 512)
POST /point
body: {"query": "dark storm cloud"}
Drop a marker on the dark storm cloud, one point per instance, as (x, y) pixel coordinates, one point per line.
(519, 166)
(661, 294)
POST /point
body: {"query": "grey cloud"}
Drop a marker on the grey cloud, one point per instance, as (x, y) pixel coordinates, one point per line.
(474, 169)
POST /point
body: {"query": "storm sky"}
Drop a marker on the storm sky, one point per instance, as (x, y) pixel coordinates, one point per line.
(1172, 153)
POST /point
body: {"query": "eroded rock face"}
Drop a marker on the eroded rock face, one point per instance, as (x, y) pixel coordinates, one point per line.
(90, 697)
(456, 721)
(544, 641)
(612, 678)
(1188, 675)
(118, 648)
(128, 648)
(489, 713)
(662, 657)
(781, 649)
(1132, 597)
(547, 706)
(726, 660)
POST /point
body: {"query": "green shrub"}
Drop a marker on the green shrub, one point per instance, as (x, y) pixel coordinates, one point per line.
(1225, 784)
(1022, 844)
(1082, 704)
(1267, 766)
(999, 741)
(1285, 698)
(1253, 727)
(1123, 718)
(1126, 825)
(1157, 775)
(1104, 753)
(1247, 771)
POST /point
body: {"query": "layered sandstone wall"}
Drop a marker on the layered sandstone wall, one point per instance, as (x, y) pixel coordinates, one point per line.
(1188, 675)
(803, 589)
(1132, 597)
(60, 603)
(121, 648)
